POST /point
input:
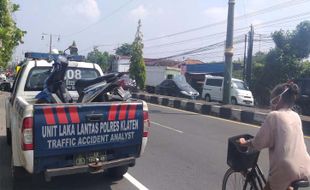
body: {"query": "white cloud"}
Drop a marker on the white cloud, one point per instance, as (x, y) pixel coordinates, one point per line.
(216, 13)
(84, 8)
(139, 12)
(89, 8)
(256, 22)
(159, 11)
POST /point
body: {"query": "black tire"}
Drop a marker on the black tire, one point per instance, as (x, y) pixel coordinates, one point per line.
(233, 101)
(8, 136)
(235, 181)
(208, 98)
(117, 172)
(18, 173)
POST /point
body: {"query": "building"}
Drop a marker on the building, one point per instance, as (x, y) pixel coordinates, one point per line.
(121, 64)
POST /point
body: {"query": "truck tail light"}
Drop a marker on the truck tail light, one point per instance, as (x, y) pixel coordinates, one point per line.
(146, 124)
(27, 135)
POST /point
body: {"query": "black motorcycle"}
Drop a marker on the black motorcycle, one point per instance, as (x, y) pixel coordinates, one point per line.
(101, 89)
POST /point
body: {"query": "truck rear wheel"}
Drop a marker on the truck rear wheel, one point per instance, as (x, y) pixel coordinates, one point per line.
(117, 172)
(8, 136)
(18, 173)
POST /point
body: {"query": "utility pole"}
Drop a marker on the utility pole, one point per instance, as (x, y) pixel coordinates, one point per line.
(249, 57)
(244, 56)
(229, 52)
(51, 39)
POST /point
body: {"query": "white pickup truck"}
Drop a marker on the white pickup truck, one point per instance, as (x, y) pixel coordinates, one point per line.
(63, 139)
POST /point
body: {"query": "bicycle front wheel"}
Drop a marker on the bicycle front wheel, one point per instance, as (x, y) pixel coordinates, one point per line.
(235, 181)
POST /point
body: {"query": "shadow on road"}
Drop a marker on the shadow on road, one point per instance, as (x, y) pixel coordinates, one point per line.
(76, 182)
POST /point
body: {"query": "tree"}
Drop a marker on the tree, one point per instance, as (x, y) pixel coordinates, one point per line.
(137, 66)
(103, 59)
(124, 50)
(10, 34)
(305, 69)
(284, 62)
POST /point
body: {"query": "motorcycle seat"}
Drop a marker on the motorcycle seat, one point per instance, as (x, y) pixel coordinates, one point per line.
(81, 84)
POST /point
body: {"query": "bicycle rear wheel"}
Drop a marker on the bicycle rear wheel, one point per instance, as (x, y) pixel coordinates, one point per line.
(235, 181)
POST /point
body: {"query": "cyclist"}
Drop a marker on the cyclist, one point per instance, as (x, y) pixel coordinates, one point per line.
(282, 134)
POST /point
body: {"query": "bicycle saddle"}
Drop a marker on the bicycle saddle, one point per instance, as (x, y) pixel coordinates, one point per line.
(300, 183)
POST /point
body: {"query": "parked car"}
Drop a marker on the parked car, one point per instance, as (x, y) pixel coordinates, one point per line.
(303, 101)
(213, 91)
(5, 86)
(176, 87)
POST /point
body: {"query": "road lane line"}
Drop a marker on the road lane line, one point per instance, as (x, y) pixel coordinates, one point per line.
(135, 182)
(218, 118)
(166, 127)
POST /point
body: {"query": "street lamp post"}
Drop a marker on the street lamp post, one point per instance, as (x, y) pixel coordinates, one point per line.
(229, 52)
(51, 40)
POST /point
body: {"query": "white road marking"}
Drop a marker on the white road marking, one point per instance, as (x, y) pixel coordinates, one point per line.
(213, 117)
(166, 127)
(135, 182)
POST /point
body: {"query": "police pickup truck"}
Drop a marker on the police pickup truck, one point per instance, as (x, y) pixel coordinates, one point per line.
(63, 139)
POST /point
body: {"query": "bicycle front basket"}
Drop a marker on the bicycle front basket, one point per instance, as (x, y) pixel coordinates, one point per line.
(240, 158)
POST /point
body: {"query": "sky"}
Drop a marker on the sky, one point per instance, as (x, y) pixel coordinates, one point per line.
(169, 27)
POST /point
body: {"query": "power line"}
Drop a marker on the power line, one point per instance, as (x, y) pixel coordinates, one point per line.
(255, 13)
(237, 38)
(193, 39)
(261, 25)
(201, 49)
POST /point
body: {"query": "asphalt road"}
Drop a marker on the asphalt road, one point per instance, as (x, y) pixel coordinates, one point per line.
(188, 150)
(185, 151)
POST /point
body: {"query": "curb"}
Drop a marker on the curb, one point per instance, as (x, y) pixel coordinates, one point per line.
(226, 112)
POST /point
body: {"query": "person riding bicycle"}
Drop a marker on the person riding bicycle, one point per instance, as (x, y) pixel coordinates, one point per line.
(282, 134)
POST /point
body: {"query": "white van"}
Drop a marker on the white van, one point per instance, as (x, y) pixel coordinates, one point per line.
(213, 91)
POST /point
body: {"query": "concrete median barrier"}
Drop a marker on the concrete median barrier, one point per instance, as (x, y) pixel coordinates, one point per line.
(142, 97)
(154, 100)
(177, 104)
(215, 110)
(234, 113)
(190, 106)
(206, 109)
(247, 116)
(165, 101)
(306, 126)
(225, 112)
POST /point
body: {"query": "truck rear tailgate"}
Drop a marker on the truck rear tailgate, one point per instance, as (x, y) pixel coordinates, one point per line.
(71, 129)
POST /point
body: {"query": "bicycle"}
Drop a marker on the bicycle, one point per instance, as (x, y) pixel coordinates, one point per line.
(244, 172)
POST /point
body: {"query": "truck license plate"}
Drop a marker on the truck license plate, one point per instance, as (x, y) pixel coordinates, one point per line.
(83, 159)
